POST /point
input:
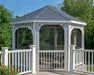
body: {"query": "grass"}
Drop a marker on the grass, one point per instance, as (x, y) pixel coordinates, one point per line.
(89, 68)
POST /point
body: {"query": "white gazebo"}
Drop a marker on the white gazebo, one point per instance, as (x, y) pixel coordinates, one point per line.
(49, 17)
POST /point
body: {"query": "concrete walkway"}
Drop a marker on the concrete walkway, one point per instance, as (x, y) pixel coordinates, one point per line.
(58, 73)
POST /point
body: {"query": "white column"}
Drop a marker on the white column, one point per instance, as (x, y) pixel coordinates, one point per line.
(17, 41)
(65, 47)
(38, 38)
(75, 37)
(65, 27)
(33, 47)
(34, 31)
(55, 38)
(34, 34)
(13, 38)
(72, 57)
(5, 50)
(68, 45)
(82, 43)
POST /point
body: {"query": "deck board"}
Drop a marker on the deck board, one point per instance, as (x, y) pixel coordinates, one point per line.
(57, 73)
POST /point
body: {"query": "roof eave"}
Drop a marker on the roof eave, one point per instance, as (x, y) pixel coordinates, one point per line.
(53, 21)
(77, 22)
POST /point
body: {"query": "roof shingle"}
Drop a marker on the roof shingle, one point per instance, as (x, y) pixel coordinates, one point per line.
(47, 13)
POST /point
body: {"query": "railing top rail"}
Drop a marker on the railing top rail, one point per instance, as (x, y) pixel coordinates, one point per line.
(20, 50)
(85, 50)
(51, 51)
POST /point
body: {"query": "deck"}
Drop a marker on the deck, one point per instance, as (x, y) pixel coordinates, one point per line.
(57, 73)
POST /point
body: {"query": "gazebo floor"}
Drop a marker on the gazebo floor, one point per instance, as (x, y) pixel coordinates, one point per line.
(57, 73)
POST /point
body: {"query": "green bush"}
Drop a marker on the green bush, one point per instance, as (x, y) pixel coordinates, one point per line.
(8, 70)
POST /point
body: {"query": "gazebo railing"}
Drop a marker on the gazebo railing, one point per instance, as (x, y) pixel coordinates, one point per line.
(51, 60)
(83, 60)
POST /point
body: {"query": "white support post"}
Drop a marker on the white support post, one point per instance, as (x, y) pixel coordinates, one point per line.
(69, 31)
(75, 37)
(55, 38)
(82, 37)
(38, 40)
(72, 57)
(65, 47)
(82, 45)
(13, 38)
(34, 34)
(5, 50)
(65, 27)
(68, 45)
(38, 37)
(33, 47)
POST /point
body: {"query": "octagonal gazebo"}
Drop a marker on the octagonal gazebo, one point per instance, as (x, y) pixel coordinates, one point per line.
(48, 17)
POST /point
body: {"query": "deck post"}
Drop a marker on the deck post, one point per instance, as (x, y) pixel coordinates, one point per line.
(5, 50)
(33, 47)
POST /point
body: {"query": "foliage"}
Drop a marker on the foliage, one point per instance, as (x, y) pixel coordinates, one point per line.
(24, 38)
(5, 27)
(8, 70)
(16, 17)
(84, 10)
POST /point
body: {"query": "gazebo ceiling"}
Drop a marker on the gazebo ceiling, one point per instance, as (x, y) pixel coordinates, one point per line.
(47, 14)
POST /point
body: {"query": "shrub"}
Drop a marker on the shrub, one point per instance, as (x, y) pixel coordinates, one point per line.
(8, 70)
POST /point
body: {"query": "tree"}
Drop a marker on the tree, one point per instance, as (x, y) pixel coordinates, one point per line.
(16, 17)
(5, 27)
(82, 9)
(24, 38)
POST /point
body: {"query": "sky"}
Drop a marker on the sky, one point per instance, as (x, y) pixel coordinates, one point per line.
(21, 7)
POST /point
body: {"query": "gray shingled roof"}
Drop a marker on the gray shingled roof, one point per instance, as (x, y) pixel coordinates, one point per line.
(47, 13)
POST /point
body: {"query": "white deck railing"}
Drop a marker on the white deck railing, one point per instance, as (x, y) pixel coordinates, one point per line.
(80, 60)
(51, 59)
(23, 60)
(83, 60)
(18, 59)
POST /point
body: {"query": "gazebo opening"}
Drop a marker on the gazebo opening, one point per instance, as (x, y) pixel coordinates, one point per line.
(23, 38)
(76, 38)
(52, 37)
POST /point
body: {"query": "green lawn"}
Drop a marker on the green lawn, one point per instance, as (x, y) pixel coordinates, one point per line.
(89, 68)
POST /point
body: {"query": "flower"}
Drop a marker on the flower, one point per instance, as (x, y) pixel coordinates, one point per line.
(2, 66)
(11, 69)
(18, 67)
(8, 70)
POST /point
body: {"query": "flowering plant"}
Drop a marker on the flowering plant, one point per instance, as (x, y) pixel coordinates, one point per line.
(8, 70)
